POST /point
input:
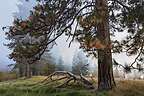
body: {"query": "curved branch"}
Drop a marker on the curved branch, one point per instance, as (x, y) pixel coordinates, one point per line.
(120, 3)
(70, 23)
(135, 59)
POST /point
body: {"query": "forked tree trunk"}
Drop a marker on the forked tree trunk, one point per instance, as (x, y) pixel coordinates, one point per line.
(105, 70)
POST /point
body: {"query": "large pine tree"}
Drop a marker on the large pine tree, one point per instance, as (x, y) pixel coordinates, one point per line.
(91, 22)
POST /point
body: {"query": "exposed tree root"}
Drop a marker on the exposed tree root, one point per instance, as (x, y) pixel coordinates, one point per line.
(68, 79)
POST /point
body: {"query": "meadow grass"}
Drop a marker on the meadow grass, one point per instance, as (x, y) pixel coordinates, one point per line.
(21, 87)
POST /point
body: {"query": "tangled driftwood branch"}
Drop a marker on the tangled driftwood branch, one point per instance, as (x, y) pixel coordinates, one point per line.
(68, 78)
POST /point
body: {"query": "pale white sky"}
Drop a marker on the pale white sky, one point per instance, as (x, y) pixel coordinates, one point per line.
(8, 7)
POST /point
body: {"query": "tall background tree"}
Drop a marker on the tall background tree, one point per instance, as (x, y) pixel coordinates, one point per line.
(80, 64)
(24, 8)
(60, 64)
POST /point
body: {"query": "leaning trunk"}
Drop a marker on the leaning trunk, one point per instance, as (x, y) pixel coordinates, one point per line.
(105, 70)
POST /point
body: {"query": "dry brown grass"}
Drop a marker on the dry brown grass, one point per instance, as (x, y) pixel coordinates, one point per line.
(128, 88)
(4, 76)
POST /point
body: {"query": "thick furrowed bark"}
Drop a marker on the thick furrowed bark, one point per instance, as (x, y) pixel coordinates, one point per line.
(105, 70)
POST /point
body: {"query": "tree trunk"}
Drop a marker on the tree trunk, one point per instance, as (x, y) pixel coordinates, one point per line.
(105, 70)
(21, 70)
(28, 71)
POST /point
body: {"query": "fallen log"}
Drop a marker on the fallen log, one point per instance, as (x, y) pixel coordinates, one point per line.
(68, 77)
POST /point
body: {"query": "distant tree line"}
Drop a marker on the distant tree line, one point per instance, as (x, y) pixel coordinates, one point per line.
(47, 65)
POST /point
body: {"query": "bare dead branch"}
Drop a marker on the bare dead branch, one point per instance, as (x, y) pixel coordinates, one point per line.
(68, 77)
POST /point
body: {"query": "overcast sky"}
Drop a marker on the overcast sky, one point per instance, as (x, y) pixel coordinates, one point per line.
(8, 7)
